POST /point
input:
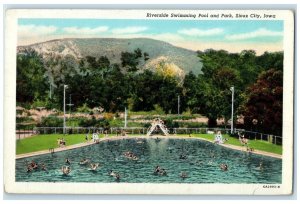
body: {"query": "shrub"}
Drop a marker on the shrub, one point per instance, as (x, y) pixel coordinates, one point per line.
(24, 119)
(191, 125)
(108, 116)
(169, 123)
(48, 104)
(158, 110)
(51, 122)
(84, 109)
(83, 122)
(116, 123)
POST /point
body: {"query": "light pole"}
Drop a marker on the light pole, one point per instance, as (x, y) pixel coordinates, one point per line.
(70, 105)
(65, 87)
(125, 116)
(232, 102)
(178, 105)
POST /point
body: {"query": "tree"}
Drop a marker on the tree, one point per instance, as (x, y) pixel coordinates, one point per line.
(191, 93)
(131, 60)
(146, 56)
(220, 72)
(145, 95)
(270, 59)
(262, 108)
(104, 65)
(92, 62)
(168, 95)
(155, 89)
(32, 82)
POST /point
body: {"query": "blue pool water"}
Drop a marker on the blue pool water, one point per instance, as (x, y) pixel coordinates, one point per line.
(201, 163)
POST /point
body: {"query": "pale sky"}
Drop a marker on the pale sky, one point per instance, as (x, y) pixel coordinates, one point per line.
(233, 35)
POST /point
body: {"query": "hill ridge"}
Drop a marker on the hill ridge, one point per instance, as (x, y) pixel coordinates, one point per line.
(185, 59)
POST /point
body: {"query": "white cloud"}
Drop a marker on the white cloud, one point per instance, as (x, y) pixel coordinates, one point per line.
(255, 34)
(200, 33)
(29, 31)
(129, 30)
(85, 30)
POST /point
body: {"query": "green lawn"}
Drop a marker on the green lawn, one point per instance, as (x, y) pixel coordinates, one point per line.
(256, 144)
(44, 142)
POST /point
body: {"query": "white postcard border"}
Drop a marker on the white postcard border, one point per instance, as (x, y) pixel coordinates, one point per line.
(121, 188)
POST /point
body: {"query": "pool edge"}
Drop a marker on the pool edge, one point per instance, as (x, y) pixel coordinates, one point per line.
(59, 149)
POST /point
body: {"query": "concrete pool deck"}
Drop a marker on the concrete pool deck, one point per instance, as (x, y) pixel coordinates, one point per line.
(59, 149)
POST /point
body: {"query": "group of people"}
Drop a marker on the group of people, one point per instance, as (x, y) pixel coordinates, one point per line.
(219, 138)
(245, 142)
(130, 155)
(160, 171)
(93, 166)
(66, 169)
(61, 142)
(242, 139)
(34, 166)
(84, 161)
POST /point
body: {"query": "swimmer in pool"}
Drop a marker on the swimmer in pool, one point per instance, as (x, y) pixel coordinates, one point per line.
(94, 166)
(43, 167)
(224, 167)
(261, 166)
(183, 175)
(29, 169)
(117, 177)
(111, 173)
(157, 170)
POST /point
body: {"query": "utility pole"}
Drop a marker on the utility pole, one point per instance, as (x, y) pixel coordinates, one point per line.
(125, 116)
(232, 102)
(178, 105)
(50, 92)
(65, 87)
(70, 105)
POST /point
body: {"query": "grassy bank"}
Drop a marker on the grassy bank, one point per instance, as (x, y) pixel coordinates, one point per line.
(256, 144)
(44, 142)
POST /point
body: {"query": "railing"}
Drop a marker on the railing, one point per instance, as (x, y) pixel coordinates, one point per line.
(20, 134)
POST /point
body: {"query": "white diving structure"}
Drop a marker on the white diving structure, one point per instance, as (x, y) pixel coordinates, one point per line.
(219, 138)
(95, 137)
(158, 123)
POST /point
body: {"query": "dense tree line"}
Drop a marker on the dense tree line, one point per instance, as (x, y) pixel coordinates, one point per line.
(96, 82)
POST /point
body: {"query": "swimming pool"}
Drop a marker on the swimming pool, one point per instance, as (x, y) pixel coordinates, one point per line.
(199, 159)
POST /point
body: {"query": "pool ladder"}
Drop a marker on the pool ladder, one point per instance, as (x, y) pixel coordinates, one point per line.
(51, 150)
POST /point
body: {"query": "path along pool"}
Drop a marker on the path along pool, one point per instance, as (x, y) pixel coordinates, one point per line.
(199, 159)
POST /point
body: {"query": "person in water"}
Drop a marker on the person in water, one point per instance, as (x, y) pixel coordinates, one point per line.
(261, 166)
(94, 166)
(117, 177)
(183, 175)
(66, 170)
(29, 169)
(224, 167)
(111, 173)
(163, 172)
(83, 161)
(157, 169)
(43, 167)
(33, 165)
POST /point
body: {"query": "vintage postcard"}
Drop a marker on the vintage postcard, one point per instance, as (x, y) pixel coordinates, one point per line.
(192, 102)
